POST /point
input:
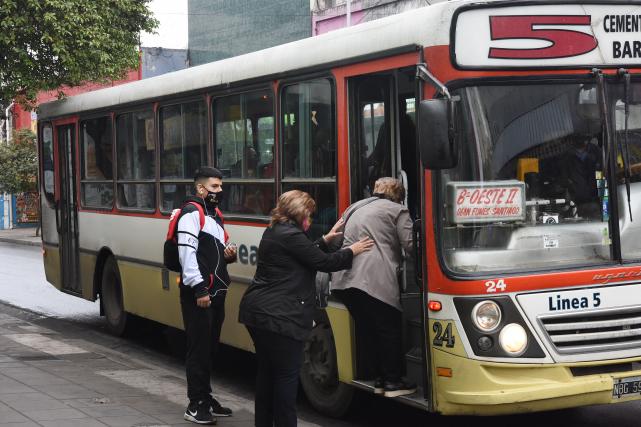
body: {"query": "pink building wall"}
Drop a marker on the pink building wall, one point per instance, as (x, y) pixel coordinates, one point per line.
(336, 18)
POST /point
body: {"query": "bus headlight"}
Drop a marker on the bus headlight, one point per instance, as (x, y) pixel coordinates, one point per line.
(486, 315)
(513, 339)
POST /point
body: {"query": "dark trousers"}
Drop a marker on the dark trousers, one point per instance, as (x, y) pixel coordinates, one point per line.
(202, 327)
(380, 327)
(279, 361)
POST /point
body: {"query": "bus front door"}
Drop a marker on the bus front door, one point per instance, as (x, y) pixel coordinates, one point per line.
(383, 136)
(67, 209)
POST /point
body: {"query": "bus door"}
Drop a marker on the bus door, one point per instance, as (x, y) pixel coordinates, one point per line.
(383, 143)
(67, 209)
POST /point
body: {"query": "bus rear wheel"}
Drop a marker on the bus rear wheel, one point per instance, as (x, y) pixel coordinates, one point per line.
(112, 299)
(319, 374)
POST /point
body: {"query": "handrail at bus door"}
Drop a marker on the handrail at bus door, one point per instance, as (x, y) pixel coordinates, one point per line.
(416, 240)
(56, 207)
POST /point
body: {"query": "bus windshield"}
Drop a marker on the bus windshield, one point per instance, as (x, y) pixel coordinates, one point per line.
(531, 188)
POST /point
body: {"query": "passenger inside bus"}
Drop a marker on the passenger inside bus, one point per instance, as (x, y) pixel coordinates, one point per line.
(582, 161)
(379, 161)
(565, 175)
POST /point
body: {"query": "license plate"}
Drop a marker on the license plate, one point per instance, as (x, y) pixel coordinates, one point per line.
(623, 387)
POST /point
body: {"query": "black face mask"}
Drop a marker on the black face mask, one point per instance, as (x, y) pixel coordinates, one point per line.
(214, 198)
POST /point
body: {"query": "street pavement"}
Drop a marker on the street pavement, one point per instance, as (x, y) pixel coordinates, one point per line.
(48, 379)
(59, 367)
(23, 236)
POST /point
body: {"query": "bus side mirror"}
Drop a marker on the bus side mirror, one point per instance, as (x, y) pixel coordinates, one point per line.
(437, 141)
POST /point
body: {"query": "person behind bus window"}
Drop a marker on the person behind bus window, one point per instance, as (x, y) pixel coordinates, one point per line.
(278, 307)
(370, 289)
(203, 286)
(581, 162)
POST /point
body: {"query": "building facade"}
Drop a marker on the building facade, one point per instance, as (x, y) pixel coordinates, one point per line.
(329, 15)
(221, 29)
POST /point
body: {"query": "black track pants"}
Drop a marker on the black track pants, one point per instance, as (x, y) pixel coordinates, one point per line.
(202, 327)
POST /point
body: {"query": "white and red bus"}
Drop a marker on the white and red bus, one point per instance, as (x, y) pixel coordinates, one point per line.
(523, 293)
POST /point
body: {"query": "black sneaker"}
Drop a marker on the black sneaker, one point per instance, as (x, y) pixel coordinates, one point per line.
(198, 412)
(217, 410)
(379, 384)
(400, 388)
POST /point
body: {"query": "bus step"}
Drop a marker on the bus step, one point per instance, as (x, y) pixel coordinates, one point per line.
(414, 368)
(415, 399)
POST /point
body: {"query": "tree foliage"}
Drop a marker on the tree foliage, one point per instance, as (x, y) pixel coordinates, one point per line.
(45, 44)
(19, 160)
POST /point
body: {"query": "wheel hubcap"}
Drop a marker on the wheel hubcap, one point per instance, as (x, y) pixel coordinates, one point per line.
(319, 360)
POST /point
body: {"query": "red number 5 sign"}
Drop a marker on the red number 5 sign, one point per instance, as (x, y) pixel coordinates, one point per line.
(565, 43)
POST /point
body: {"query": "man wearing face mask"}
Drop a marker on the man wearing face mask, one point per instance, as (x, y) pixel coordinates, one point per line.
(203, 256)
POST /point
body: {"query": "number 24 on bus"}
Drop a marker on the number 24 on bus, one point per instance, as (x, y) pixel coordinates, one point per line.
(528, 99)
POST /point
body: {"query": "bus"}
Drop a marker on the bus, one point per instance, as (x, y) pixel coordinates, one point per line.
(516, 128)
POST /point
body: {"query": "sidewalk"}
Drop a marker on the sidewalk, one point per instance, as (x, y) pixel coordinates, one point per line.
(48, 379)
(21, 236)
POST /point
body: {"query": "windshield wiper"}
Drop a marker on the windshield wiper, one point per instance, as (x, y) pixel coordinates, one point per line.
(610, 164)
(625, 152)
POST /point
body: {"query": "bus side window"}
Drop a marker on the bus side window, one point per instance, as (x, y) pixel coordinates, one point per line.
(183, 149)
(136, 165)
(48, 183)
(96, 176)
(309, 146)
(244, 132)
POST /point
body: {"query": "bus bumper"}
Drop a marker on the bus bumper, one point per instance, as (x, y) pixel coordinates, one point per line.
(483, 388)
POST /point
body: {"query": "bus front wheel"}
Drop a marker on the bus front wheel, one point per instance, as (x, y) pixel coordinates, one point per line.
(111, 296)
(319, 374)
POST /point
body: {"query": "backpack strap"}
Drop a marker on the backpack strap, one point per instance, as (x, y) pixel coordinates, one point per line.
(177, 214)
(201, 213)
(356, 207)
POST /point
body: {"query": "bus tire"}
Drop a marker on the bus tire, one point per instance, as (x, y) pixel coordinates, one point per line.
(112, 299)
(319, 374)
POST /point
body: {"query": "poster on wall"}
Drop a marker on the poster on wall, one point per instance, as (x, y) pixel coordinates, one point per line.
(27, 208)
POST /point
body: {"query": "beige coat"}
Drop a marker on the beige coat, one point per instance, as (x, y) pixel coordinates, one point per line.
(375, 272)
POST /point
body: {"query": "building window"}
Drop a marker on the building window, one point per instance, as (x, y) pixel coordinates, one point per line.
(96, 160)
(309, 146)
(136, 154)
(244, 126)
(183, 149)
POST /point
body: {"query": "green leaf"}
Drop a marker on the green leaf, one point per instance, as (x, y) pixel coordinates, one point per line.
(19, 160)
(45, 44)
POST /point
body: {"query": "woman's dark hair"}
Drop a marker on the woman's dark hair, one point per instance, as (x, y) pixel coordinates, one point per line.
(293, 205)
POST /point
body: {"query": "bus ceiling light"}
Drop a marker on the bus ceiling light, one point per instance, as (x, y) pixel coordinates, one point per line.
(486, 315)
(513, 339)
(434, 305)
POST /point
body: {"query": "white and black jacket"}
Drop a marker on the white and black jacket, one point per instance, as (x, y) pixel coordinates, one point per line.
(201, 252)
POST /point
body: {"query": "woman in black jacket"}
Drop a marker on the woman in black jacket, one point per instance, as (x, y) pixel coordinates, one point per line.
(278, 307)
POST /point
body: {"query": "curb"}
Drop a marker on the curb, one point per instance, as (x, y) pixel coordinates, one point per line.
(20, 242)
